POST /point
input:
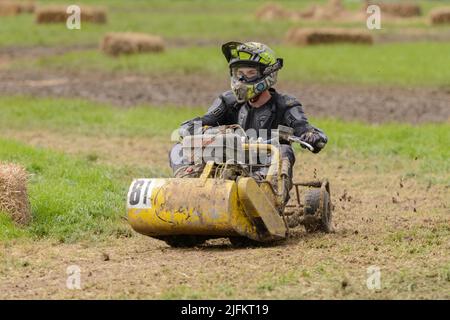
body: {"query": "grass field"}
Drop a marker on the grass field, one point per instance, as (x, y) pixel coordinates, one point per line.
(181, 20)
(388, 64)
(390, 182)
(73, 197)
(86, 154)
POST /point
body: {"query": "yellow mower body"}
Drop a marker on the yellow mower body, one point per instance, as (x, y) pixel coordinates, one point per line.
(216, 205)
(207, 206)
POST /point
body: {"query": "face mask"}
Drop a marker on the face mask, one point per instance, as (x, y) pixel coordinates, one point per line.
(246, 91)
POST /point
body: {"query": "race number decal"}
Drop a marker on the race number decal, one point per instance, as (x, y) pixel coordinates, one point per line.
(140, 193)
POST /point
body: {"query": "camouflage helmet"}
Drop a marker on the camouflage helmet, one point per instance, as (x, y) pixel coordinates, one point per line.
(252, 55)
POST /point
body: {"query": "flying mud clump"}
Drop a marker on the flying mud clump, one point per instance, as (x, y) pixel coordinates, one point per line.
(13, 8)
(58, 14)
(440, 16)
(13, 193)
(119, 43)
(301, 36)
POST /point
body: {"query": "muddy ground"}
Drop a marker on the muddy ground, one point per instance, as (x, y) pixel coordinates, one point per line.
(349, 102)
(382, 217)
(389, 221)
(373, 104)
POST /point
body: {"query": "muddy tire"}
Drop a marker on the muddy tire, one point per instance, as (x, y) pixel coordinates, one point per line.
(183, 241)
(317, 217)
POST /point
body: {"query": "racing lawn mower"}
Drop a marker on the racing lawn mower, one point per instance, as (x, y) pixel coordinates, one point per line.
(225, 193)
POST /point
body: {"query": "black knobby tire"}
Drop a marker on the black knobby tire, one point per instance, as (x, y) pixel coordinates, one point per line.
(317, 218)
(183, 241)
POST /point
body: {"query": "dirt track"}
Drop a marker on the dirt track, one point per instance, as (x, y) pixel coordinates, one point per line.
(399, 225)
(372, 104)
(383, 217)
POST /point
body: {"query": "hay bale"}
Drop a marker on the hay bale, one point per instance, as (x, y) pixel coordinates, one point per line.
(27, 6)
(333, 9)
(397, 9)
(299, 36)
(58, 14)
(9, 8)
(272, 11)
(118, 43)
(13, 193)
(440, 16)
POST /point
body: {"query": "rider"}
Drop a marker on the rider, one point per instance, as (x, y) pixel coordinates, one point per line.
(253, 103)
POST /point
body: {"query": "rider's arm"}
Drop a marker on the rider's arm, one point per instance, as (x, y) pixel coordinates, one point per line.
(217, 114)
(295, 118)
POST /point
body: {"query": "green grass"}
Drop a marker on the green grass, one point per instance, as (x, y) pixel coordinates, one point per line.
(425, 142)
(71, 199)
(84, 117)
(403, 64)
(9, 230)
(387, 64)
(180, 19)
(74, 198)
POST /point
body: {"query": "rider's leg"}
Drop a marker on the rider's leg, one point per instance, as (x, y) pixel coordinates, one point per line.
(181, 167)
(176, 157)
(287, 163)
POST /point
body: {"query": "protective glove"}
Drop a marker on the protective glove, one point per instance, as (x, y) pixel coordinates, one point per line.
(316, 138)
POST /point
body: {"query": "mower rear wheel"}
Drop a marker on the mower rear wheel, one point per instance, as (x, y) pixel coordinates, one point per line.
(317, 215)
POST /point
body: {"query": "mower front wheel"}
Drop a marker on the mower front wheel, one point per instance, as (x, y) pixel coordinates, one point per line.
(243, 242)
(183, 241)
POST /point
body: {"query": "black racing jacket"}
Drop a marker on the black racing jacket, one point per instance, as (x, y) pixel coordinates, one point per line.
(281, 109)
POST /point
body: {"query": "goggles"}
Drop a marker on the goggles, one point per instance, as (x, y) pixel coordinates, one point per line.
(246, 74)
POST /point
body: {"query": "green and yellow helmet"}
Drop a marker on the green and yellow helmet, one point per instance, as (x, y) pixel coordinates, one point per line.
(251, 55)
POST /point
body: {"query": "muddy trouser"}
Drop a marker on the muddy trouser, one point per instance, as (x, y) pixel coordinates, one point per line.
(287, 163)
(176, 160)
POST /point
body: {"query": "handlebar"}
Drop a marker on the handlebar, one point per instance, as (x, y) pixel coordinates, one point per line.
(287, 135)
(293, 139)
(301, 142)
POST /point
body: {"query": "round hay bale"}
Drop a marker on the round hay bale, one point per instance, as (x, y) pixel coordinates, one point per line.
(299, 36)
(13, 193)
(118, 43)
(272, 11)
(396, 9)
(58, 14)
(440, 16)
